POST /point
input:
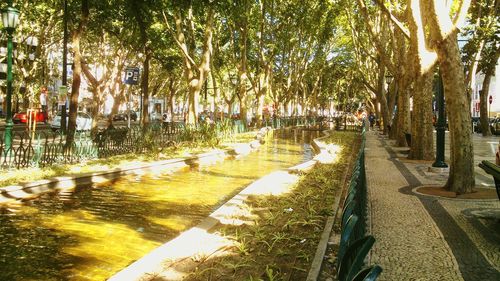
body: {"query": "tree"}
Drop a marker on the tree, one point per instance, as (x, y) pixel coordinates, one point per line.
(443, 33)
(110, 61)
(422, 146)
(185, 37)
(489, 59)
(383, 58)
(479, 51)
(76, 37)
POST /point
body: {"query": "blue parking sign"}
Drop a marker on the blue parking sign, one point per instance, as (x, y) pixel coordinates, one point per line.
(131, 76)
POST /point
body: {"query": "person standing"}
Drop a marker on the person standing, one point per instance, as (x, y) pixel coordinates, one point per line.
(43, 102)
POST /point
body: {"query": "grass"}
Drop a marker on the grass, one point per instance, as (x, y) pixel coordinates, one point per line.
(281, 241)
(17, 176)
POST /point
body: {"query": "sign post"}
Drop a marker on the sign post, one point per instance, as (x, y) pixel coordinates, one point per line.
(131, 78)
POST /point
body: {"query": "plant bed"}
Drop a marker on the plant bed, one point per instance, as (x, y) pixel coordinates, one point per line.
(278, 237)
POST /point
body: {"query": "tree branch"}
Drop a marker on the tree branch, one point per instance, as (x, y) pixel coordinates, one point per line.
(459, 19)
(207, 46)
(393, 19)
(181, 45)
(378, 45)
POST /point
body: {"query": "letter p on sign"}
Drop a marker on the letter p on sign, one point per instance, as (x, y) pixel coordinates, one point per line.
(131, 75)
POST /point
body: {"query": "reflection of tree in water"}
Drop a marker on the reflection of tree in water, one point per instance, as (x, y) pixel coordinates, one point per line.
(30, 251)
(111, 205)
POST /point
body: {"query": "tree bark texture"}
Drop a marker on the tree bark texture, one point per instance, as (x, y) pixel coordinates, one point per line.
(381, 97)
(422, 63)
(461, 179)
(404, 124)
(422, 139)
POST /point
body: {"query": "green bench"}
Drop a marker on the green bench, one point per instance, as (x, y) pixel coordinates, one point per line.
(494, 170)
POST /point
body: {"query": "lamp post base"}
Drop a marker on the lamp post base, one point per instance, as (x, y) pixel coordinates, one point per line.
(438, 169)
(439, 164)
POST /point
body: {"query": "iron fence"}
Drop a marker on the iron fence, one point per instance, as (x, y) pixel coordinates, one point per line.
(46, 148)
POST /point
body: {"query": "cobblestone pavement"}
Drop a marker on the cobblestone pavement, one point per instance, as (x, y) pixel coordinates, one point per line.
(420, 237)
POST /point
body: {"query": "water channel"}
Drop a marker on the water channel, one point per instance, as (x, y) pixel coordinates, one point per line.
(92, 233)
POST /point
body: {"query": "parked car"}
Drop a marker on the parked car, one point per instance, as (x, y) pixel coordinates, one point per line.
(123, 116)
(22, 117)
(495, 126)
(476, 124)
(83, 122)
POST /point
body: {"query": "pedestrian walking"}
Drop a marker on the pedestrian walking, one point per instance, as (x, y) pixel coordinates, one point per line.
(371, 118)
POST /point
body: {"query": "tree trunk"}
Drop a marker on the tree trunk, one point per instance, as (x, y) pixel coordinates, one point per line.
(95, 109)
(116, 105)
(242, 91)
(381, 97)
(404, 124)
(422, 139)
(483, 105)
(260, 107)
(96, 89)
(77, 71)
(172, 91)
(193, 101)
(422, 63)
(461, 178)
(392, 103)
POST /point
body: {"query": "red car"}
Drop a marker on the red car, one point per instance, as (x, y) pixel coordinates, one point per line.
(22, 117)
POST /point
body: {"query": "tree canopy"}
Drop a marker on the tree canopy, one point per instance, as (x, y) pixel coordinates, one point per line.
(289, 56)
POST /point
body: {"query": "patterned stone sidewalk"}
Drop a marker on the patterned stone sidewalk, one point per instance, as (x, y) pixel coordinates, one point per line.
(422, 237)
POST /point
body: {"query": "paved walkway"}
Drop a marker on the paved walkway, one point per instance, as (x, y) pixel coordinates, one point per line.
(420, 237)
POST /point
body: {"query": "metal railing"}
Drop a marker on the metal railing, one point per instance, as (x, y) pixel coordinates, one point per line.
(354, 243)
(48, 148)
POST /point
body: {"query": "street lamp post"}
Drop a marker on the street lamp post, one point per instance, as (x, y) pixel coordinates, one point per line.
(10, 19)
(64, 65)
(440, 126)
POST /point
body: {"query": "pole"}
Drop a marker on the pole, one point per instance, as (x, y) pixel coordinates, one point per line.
(128, 105)
(65, 64)
(8, 99)
(440, 126)
(140, 106)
